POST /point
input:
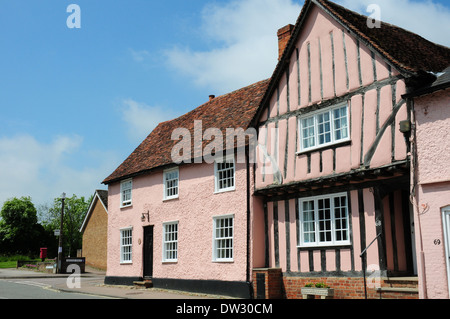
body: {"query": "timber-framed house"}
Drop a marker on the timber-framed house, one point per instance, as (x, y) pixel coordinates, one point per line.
(333, 172)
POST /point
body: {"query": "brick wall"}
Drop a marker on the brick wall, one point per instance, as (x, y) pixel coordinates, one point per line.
(94, 238)
(284, 35)
(344, 288)
(278, 286)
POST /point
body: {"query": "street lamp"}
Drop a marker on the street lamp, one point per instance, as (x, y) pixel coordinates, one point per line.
(63, 197)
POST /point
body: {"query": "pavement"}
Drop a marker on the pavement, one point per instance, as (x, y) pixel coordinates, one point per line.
(92, 283)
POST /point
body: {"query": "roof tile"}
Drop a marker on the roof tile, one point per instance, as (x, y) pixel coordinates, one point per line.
(406, 50)
(232, 110)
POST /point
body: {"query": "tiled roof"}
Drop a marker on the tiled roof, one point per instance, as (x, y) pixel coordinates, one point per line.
(103, 194)
(232, 110)
(409, 52)
(406, 50)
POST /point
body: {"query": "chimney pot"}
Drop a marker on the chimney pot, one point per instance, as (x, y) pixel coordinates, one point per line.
(284, 35)
(211, 97)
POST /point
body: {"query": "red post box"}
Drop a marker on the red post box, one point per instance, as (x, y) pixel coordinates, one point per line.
(43, 253)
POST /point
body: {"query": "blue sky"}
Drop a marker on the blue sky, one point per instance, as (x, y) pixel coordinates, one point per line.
(74, 103)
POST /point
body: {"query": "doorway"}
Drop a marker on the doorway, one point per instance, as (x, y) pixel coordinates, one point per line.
(148, 252)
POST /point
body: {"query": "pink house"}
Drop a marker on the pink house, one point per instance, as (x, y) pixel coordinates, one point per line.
(334, 193)
(334, 163)
(180, 212)
(431, 181)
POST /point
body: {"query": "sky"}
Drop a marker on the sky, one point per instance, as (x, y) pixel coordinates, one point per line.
(81, 88)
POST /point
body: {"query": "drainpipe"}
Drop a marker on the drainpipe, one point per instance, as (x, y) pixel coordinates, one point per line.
(247, 163)
(414, 199)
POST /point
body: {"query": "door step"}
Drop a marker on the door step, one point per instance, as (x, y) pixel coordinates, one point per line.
(399, 288)
(146, 283)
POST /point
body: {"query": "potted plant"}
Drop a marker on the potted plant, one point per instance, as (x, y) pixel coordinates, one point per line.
(318, 289)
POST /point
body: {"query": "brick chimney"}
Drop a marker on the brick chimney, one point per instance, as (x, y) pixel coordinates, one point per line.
(283, 37)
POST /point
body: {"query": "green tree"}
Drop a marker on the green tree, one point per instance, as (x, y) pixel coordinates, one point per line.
(19, 230)
(74, 211)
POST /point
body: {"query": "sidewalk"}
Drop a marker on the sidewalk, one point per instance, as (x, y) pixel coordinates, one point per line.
(92, 282)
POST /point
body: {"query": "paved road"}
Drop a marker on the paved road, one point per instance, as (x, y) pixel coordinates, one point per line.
(22, 284)
(34, 289)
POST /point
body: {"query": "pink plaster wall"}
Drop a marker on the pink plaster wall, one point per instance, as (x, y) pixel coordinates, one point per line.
(433, 144)
(303, 260)
(433, 130)
(368, 112)
(194, 210)
(319, 28)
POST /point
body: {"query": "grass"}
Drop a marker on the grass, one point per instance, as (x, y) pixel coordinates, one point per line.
(11, 261)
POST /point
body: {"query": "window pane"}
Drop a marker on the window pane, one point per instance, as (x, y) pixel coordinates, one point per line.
(340, 123)
(324, 220)
(170, 244)
(309, 228)
(341, 222)
(308, 132)
(324, 128)
(125, 190)
(125, 245)
(225, 174)
(171, 183)
(223, 241)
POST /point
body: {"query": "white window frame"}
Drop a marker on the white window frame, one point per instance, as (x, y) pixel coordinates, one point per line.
(170, 242)
(225, 241)
(126, 245)
(333, 129)
(126, 185)
(316, 226)
(218, 170)
(166, 181)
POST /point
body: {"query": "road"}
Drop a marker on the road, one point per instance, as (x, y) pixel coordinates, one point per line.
(23, 284)
(38, 288)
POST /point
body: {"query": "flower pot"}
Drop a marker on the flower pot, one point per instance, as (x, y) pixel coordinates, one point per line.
(311, 292)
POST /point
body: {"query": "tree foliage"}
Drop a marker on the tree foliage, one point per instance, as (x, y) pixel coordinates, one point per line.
(19, 230)
(74, 212)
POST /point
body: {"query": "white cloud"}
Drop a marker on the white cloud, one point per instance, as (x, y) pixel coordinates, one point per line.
(425, 18)
(247, 50)
(44, 171)
(243, 34)
(140, 55)
(142, 118)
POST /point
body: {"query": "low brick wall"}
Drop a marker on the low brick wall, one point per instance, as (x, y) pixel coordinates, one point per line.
(279, 286)
(344, 288)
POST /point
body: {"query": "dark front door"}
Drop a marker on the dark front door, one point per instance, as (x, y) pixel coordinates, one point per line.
(148, 251)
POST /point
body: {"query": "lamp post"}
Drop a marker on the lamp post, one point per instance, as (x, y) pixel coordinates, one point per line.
(63, 197)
